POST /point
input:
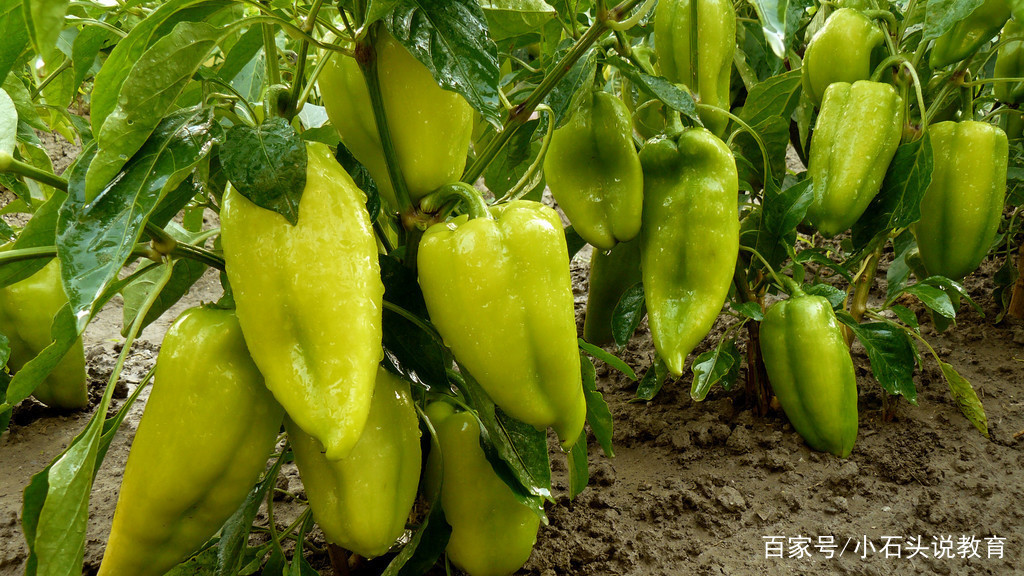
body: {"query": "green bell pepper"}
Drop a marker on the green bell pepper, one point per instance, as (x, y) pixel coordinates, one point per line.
(839, 52)
(967, 35)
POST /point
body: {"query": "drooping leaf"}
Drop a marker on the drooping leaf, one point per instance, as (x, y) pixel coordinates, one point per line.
(720, 364)
(966, 398)
(891, 355)
(15, 34)
(599, 416)
(607, 357)
(898, 204)
(579, 470)
(267, 165)
(674, 97)
(628, 313)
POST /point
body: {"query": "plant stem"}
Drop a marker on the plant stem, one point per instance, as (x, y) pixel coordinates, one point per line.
(470, 197)
(20, 168)
(300, 67)
(1016, 308)
(270, 55)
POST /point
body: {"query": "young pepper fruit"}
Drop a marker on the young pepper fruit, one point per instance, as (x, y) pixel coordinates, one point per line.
(209, 426)
(498, 290)
(492, 532)
(309, 300)
(362, 501)
(967, 35)
(27, 309)
(689, 241)
(839, 52)
(703, 63)
(1010, 63)
(611, 274)
(962, 207)
(811, 372)
(854, 140)
(429, 126)
(594, 171)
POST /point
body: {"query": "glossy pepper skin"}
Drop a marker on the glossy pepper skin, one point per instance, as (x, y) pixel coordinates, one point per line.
(611, 274)
(27, 309)
(492, 532)
(362, 501)
(1010, 64)
(967, 35)
(594, 172)
(961, 209)
(430, 127)
(811, 372)
(689, 242)
(855, 138)
(498, 290)
(309, 300)
(714, 45)
(839, 52)
(209, 426)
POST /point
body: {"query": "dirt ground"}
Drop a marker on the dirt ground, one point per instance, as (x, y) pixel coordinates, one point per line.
(700, 488)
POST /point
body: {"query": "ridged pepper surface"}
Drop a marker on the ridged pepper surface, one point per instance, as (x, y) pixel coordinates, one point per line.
(209, 426)
(839, 52)
(429, 126)
(362, 501)
(689, 241)
(855, 138)
(611, 274)
(27, 309)
(309, 300)
(704, 63)
(1010, 64)
(499, 292)
(967, 35)
(594, 171)
(492, 532)
(961, 209)
(811, 372)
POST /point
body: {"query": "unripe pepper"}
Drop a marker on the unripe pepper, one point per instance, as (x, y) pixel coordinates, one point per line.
(27, 309)
(698, 54)
(362, 501)
(811, 372)
(492, 532)
(429, 126)
(961, 210)
(690, 239)
(967, 35)
(611, 274)
(855, 139)
(839, 52)
(498, 291)
(594, 172)
(1010, 64)
(309, 300)
(209, 426)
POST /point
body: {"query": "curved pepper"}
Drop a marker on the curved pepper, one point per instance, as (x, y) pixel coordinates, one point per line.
(967, 35)
(704, 63)
(27, 309)
(611, 274)
(499, 292)
(429, 126)
(961, 210)
(854, 140)
(492, 532)
(362, 501)
(811, 372)
(690, 239)
(1010, 64)
(309, 299)
(839, 52)
(594, 172)
(209, 426)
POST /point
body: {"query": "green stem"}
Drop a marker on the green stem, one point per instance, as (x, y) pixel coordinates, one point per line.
(415, 320)
(270, 55)
(864, 282)
(15, 166)
(521, 114)
(885, 15)
(876, 76)
(753, 133)
(529, 179)
(50, 78)
(778, 280)
(164, 243)
(470, 197)
(300, 67)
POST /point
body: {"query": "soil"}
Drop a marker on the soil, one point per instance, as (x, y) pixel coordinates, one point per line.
(701, 488)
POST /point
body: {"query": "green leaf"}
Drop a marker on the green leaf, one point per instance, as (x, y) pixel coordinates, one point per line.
(8, 125)
(598, 414)
(566, 96)
(673, 96)
(234, 534)
(512, 18)
(185, 273)
(27, 114)
(906, 315)
(781, 214)
(148, 93)
(451, 39)
(64, 334)
(514, 159)
(750, 310)
(15, 35)
(934, 298)
(360, 175)
(267, 165)
(579, 470)
(607, 357)
(96, 238)
(819, 256)
(377, 9)
(767, 110)
(965, 397)
(898, 274)
(941, 15)
(720, 364)
(898, 204)
(573, 241)
(891, 355)
(652, 381)
(834, 295)
(45, 20)
(424, 547)
(779, 20)
(85, 50)
(628, 313)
